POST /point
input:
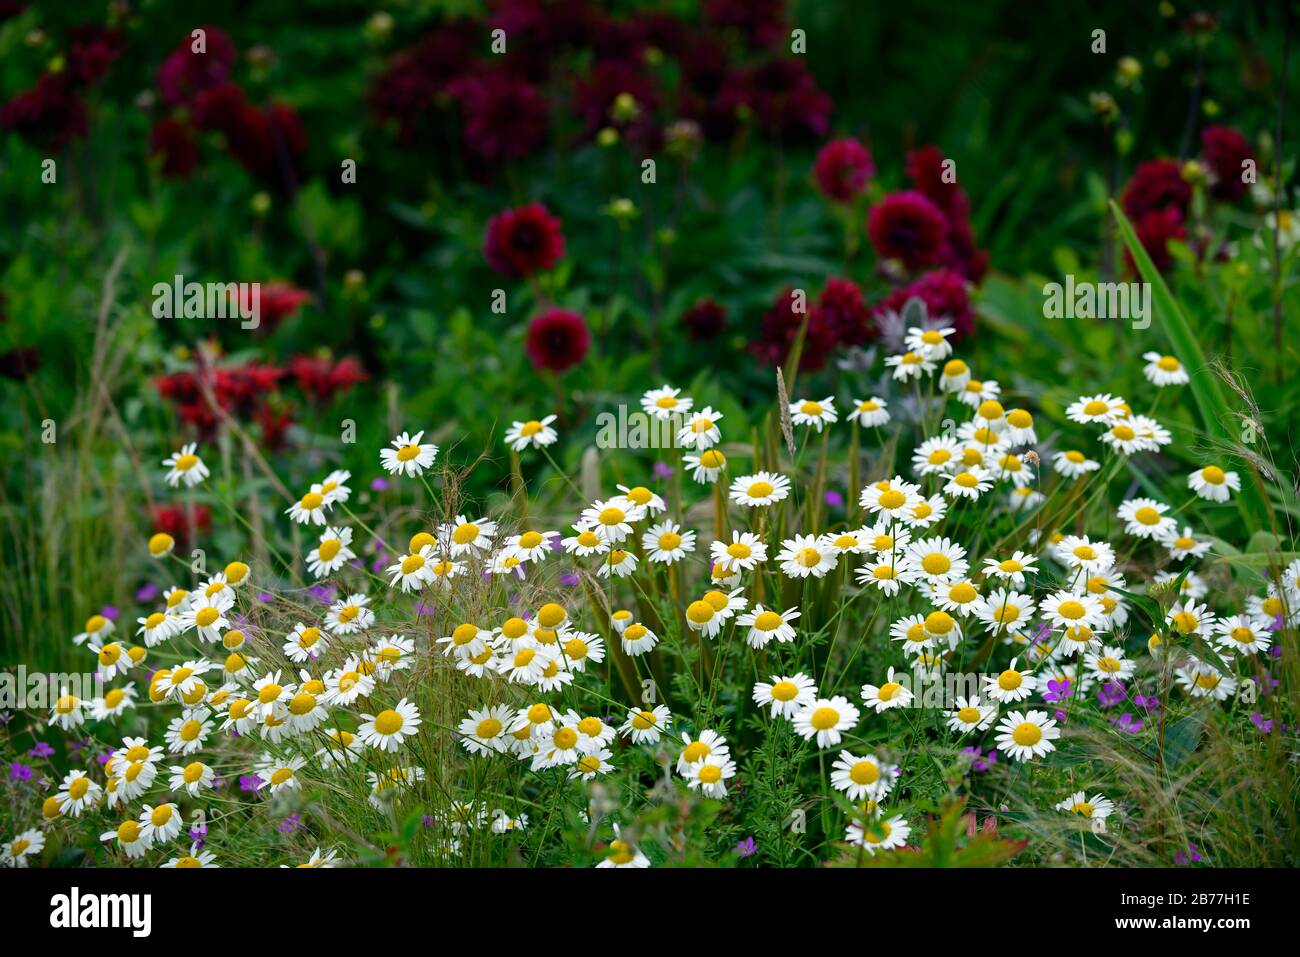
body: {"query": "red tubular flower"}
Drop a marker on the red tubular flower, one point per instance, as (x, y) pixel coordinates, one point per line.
(174, 142)
(779, 328)
(1156, 184)
(944, 293)
(557, 340)
(184, 73)
(908, 227)
(841, 309)
(520, 242)
(842, 169)
(274, 426)
(1225, 151)
(705, 320)
(322, 379)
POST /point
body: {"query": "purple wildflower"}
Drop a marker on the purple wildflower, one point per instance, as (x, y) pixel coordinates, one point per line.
(834, 499)
(1058, 689)
(663, 470)
(146, 593)
(379, 485)
(19, 772)
(1111, 694)
(1127, 723)
(1190, 856)
(110, 612)
(42, 750)
(1265, 725)
(747, 847)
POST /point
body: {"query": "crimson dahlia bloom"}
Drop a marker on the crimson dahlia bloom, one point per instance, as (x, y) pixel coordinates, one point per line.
(705, 320)
(49, 115)
(92, 49)
(1224, 151)
(185, 74)
(779, 328)
(505, 117)
(557, 340)
(841, 308)
(1154, 230)
(945, 295)
(1156, 184)
(842, 169)
(174, 142)
(523, 241)
(322, 379)
(908, 227)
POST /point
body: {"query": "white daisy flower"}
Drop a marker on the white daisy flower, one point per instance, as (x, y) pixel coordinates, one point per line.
(332, 553)
(535, 432)
(1025, 736)
(665, 402)
(408, 456)
(813, 413)
(761, 488)
(825, 719)
(389, 729)
(765, 625)
(185, 466)
(785, 694)
(889, 694)
(971, 714)
(1164, 370)
(870, 413)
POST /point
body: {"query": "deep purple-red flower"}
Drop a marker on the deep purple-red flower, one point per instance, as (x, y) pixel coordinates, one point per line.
(505, 117)
(1225, 151)
(843, 168)
(779, 328)
(945, 295)
(841, 308)
(92, 48)
(705, 320)
(174, 142)
(1156, 185)
(1154, 230)
(523, 241)
(186, 73)
(557, 340)
(908, 227)
(48, 115)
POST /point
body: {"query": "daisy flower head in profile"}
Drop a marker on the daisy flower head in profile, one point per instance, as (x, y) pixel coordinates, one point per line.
(765, 624)
(1200, 679)
(976, 391)
(665, 402)
(77, 793)
(706, 466)
(636, 639)
(406, 455)
(311, 509)
(185, 466)
(711, 612)
(761, 488)
(701, 430)
(22, 847)
(708, 744)
(412, 571)
(391, 727)
(879, 834)
(814, 413)
(931, 343)
(1024, 736)
(826, 719)
(1101, 409)
(971, 714)
(666, 543)
(742, 553)
(889, 694)
(647, 725)
(909, 366)
(1072, 463)
(1098, 806)
(129, 837)
(645, 501)
(532, 546)
(1214, 484)
(866, 777)
(870, 413)
(332, 552)
(786, 695)
(622, 854)
(806, 555)
(535, 432)
(1163, 370)
(954, 375)
(350, 615)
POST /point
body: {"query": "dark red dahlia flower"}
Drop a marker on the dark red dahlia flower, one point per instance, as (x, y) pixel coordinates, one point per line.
(1225, 151)
(945, 295)
(761, 22)
(174, 142)
(505, 117)
(322, 379)
(92, 49)
(218, 108)
(705, 320)
(842, 169)
(786, 100)
(523, 241)
(1154, 230)
(779, 328)
(49, 115)
(841, 309)
(558, 339)
(415, 76)
(908, 227)
(185, 73)
(1156, 184)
